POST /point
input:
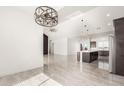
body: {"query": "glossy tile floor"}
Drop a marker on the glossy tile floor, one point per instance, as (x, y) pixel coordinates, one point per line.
(63, 70)
(14, 79)
(67, 71)
(38, 80)
(33, 77)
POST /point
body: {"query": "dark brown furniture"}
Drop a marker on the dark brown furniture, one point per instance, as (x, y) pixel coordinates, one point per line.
(89, 56)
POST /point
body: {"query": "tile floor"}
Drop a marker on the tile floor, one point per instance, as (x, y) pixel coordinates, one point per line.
(33, 77)
(39, 80)
(67, 71)
(63, 70)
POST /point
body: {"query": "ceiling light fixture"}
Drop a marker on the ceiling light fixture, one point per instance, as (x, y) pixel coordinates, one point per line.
(108, 15)
(84, 25)
(109, 24)
(46, 16)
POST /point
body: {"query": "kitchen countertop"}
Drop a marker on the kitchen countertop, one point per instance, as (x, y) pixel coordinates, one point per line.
(89, 51)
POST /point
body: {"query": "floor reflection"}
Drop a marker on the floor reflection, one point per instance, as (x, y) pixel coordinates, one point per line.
(67, 71)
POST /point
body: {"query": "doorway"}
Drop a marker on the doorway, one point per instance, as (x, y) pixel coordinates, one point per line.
(45, 44)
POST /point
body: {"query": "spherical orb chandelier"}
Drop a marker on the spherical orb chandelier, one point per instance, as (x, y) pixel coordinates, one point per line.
(46, 16)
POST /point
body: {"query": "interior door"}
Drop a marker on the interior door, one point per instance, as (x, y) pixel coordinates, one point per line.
(119, 50)
(45, 44)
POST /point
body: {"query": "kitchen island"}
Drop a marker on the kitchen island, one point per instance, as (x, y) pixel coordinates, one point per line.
(87, 56)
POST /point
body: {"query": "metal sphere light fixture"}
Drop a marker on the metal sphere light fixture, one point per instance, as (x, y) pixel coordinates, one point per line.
(46, 16)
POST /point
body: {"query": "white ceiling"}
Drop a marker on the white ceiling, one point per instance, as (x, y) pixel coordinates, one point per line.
(70, 19)
(64, 12)
(101, 18)
(97, 19)
(67, 12)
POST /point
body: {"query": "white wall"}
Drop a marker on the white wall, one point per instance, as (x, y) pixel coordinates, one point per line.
(61, 46)
(73, 45)
(67, 29)
(20, 40)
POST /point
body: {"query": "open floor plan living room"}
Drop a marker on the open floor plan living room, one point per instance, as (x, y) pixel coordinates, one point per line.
(61, 46)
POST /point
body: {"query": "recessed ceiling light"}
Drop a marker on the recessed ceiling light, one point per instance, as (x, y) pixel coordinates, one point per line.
(109, 24)
(108, 15)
